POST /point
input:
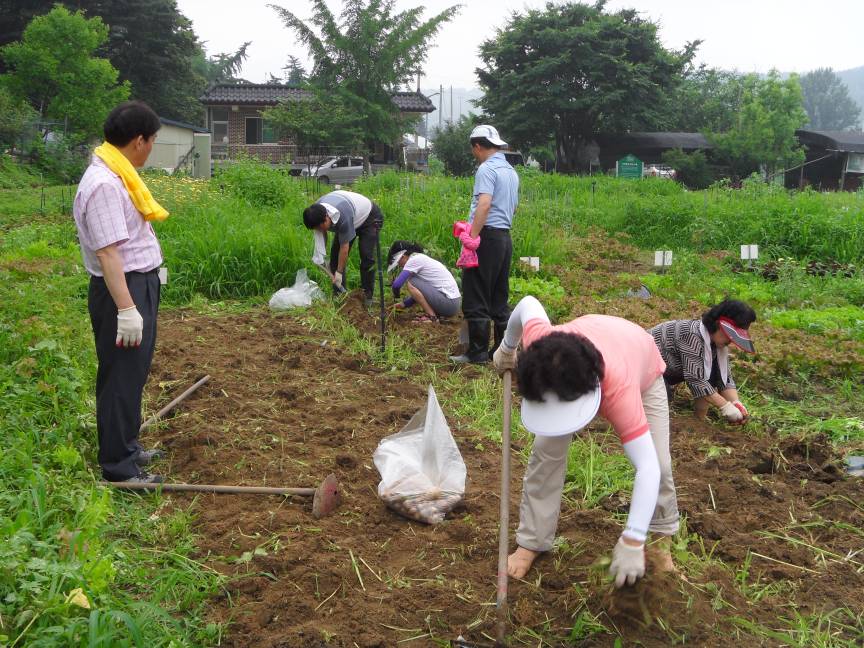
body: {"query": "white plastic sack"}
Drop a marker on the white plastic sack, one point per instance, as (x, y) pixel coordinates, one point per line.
(301, 293)
(422, 471)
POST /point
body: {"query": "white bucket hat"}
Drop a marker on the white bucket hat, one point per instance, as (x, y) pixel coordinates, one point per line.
(489, 132)
(556, 417)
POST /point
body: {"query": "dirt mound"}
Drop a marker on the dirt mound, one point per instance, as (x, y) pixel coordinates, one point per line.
(286, 406)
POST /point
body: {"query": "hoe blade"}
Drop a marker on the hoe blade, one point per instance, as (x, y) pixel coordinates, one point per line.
(327, 497)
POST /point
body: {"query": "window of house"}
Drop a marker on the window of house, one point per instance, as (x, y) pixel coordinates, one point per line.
(268, 136)
(219, 125)
(259, 131)
(253, 130)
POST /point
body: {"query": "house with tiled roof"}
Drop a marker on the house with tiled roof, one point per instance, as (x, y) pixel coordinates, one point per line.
(833, 160)
(234, 117)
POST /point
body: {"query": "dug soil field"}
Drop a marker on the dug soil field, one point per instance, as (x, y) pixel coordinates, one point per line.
(771, 546)
(770, 518)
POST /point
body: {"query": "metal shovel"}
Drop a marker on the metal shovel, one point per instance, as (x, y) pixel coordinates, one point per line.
(325, 499)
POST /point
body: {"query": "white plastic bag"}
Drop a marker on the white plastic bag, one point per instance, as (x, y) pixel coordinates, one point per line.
(301, 293)
(422, 471)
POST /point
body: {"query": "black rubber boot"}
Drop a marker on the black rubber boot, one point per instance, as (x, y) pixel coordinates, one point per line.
(478, 344)
(499, 330)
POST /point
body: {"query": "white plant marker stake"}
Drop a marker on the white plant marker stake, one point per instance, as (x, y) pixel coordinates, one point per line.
(663, 259)
(532, 262)
(749, 253)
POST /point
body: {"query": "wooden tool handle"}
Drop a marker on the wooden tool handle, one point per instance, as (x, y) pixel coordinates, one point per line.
(504, 515)
(213, 488)
(174, 403)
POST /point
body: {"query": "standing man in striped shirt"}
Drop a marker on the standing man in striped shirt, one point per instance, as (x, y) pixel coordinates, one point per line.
(486, 288)
(113, 211)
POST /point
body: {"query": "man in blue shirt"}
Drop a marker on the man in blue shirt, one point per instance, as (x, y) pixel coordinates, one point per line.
(486, 288)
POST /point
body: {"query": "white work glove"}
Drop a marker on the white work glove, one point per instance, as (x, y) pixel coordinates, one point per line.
(130, 327)
(504, 358)
(732, 413)
(628, 563)
(337, 279)
(742, 409)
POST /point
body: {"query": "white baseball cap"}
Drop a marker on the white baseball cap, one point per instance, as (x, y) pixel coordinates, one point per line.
(555, 417)
(489, 132)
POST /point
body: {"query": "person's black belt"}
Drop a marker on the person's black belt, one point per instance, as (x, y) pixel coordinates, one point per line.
(141, 272)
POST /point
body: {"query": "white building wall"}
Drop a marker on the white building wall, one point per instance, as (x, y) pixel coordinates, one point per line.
(172, 143)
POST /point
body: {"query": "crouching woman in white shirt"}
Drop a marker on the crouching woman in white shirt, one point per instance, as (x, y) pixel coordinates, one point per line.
(427, 281)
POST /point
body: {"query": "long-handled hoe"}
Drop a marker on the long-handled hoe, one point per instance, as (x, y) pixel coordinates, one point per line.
(325, 498)
(504, 522)
(503, 528)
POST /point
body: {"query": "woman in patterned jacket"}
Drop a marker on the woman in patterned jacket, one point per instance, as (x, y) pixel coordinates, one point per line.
(697, 352)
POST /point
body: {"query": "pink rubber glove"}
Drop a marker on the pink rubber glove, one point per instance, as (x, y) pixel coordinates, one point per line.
(472, 243)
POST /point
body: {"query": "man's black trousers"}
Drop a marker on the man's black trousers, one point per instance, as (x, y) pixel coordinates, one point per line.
(368, 234)
(122, 372)
(486, 288)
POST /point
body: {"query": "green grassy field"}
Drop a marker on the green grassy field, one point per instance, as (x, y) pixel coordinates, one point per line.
(231, 242)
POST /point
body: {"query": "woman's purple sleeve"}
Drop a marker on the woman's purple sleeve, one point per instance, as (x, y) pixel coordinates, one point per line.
(400, 281)
(397, 286)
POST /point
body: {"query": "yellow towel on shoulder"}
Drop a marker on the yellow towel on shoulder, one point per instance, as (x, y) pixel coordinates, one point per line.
(138, 191)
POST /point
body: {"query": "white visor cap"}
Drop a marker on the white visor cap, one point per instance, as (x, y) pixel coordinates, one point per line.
(556, 417)
(396, 258)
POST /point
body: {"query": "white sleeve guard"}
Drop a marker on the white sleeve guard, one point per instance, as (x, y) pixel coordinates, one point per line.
(527, 309)
(646, 486)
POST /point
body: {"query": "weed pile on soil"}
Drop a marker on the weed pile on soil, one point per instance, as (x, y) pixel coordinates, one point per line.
(286, 407)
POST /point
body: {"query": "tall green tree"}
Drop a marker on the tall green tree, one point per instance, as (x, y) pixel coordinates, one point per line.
(451, 146)
(54, 68)
(571, 70)
(16, 15)
(150, 42)
(827, 102)
(295, 74)
(153, 46)
(14, 115)
(706, 100)
(223, 67)
(366, 53)
(322, 120)
(771, 111)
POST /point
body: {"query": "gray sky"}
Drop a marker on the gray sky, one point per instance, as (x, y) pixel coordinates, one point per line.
(746, 35)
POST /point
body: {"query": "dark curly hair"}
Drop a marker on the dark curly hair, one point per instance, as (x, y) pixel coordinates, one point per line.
(735, 310)
(567, 364)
